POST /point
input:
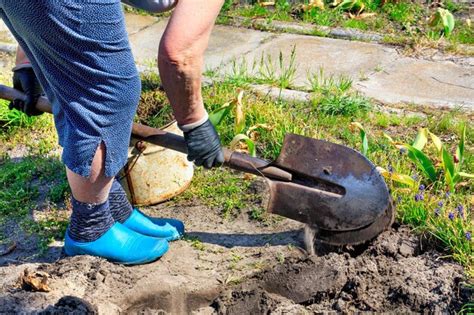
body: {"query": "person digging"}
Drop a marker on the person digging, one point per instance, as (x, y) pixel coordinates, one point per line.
(78, 51)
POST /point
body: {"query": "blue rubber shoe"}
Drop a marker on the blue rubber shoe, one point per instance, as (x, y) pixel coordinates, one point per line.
(168, 229)
(119, 244)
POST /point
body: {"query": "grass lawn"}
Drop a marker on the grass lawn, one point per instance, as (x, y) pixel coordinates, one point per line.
(428, 200)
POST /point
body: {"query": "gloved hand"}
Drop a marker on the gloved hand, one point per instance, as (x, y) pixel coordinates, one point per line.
(204, 146)
(24, 80)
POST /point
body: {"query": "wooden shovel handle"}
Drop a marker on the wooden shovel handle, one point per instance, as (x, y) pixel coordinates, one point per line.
(234, 160)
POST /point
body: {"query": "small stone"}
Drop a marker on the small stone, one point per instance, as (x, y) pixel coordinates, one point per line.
(406, 250)
(340, 305)
(345, 296)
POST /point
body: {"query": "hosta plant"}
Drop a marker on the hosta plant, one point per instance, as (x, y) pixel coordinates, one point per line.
(446, 166)
(443, 18)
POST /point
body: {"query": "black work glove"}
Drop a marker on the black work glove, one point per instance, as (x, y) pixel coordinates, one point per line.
(204, 146)
(24, 80)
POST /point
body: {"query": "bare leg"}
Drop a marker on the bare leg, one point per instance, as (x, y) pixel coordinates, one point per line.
(95, 188)
(180, 56)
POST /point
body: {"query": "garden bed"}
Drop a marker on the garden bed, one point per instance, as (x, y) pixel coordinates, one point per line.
(407, 23)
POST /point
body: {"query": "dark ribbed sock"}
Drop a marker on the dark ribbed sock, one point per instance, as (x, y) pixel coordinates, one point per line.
(89, 221)
(120, 207)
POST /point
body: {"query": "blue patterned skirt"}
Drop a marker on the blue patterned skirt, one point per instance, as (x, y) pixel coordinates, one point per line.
(80, 53)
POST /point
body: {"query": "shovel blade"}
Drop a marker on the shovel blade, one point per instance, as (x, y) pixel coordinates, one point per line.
(333, 187)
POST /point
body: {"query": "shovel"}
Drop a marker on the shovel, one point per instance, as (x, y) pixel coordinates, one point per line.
(330, 187)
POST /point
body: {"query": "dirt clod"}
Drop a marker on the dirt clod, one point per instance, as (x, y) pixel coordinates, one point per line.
(34, 281)
(70, 305)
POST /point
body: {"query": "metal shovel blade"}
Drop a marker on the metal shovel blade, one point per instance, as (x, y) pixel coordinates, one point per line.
(333, 187)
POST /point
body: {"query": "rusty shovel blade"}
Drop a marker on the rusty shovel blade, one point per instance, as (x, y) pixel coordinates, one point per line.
(333, 187)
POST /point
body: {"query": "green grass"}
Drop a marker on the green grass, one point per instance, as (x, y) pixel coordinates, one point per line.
(359, 24)
(225, 191)
(14, 118)
(20, 183)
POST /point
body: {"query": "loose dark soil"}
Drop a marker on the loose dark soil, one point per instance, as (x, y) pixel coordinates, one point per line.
(393, 274)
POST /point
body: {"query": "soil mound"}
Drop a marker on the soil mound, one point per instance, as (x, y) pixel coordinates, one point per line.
(393, 274)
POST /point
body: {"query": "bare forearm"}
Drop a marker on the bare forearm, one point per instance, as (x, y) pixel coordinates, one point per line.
(182, 83)
(180, 57)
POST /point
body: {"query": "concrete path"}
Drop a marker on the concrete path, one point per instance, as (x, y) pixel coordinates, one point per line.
(378, 71)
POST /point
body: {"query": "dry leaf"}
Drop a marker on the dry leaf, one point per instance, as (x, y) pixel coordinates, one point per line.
(254, 135)
(314, 4)
(249, 176)
(262, 126)
(239, 113)
(365, 15)
(34, 281)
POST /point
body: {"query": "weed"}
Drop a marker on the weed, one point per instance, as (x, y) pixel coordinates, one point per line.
(227, 5)
(321, 83)
(257, 214)
(231, 280)
(58, 193)
(195, 242)
(463, 34)
(14, 118)
(234, 260)
(259, 265)
(378, 68)
(50, 228)
(402, 12)
(345, 105)
(282, 75)
(240, 73)
(321, 17)
(358, 24)
(363, 76)
(280, 257)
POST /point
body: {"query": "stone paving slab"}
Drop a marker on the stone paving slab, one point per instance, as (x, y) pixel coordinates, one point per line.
(225, 43)
(409, 80)
(144, 43)
(137, 23)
